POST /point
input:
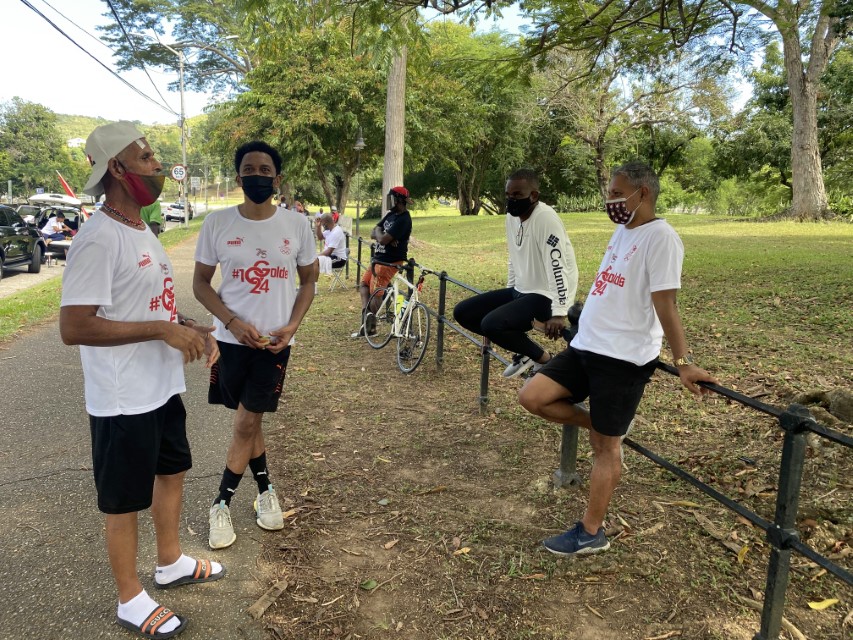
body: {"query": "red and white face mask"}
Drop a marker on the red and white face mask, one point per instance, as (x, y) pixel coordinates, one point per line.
(617, 210)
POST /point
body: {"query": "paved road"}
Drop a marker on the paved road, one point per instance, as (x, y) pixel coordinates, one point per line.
(55, 579)
(17, 279)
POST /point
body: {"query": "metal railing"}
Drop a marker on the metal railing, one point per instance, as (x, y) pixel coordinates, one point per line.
(795, 422)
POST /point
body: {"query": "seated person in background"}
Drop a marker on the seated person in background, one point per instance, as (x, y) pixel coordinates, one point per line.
(334, 253)
(541, 284)
(55, 228)
(335, 215)
(152, 215)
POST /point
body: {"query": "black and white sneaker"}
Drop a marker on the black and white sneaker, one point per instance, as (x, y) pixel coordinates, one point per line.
(519, 365)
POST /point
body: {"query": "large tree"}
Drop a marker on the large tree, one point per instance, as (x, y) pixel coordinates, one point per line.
(33, 147)
(810, 30)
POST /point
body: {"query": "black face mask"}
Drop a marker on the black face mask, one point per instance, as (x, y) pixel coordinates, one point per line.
(518, 208)
(258, 189)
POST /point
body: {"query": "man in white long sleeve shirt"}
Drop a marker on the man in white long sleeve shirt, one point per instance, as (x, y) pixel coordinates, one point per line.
(541, 284)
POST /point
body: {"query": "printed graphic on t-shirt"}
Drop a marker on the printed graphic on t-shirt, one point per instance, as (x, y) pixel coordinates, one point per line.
(165, 299)
(258, 276)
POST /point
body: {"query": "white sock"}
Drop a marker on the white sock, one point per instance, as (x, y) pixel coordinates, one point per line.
(136, 611)
(184, 566)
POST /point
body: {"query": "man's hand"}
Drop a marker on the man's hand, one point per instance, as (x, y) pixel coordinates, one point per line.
(691, 374)
(282, 338)
(553, 327)
(189, 342)
(246, 334)
(211, 347)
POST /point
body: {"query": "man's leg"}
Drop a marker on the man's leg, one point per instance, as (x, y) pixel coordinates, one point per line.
(470, 312)
(548, 399)
(508, 324)
(605, 475)
(122, 539)
(247, 439)
(166, 513)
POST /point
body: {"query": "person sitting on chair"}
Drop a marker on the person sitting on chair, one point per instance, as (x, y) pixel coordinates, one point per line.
(55, 228)
(334, 243)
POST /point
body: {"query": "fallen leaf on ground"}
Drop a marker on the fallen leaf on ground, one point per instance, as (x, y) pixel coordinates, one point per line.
(367, 585)
(462, 551)
(823, 604)
(391, 543)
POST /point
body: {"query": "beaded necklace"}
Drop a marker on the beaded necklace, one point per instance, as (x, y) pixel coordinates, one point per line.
(137, 224)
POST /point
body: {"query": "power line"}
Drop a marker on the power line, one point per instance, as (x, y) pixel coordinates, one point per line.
(136, 54)
(79, 46)
(91, 35)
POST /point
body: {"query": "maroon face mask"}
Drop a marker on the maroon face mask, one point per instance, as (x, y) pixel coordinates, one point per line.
(618, 212)
(144, 189)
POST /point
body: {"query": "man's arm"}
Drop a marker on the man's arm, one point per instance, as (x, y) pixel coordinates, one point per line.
(562, 280)
(81, 324)
(667, 311)
(204, 292)
(307, 277)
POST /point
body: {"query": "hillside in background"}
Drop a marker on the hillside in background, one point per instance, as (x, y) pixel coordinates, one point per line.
(77, 126)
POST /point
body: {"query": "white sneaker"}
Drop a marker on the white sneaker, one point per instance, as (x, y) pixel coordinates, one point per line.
(519, 365)
(221, 530)
(268, 511)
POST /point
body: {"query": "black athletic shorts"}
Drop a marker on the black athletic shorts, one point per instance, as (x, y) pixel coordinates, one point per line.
(128, 451)
(251, 377)
(614, 387)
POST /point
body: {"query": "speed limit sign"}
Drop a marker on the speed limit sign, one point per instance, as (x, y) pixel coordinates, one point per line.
(179, 172)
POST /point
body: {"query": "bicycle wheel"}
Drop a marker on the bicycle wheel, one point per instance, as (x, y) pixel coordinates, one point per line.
(411, 346)
(382, 318)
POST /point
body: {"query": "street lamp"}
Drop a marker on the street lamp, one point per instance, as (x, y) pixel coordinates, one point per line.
(359, 145)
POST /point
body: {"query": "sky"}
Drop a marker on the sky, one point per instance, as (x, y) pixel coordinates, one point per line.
(51, 71)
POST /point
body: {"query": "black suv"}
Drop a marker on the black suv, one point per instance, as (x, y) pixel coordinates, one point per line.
(20, 243)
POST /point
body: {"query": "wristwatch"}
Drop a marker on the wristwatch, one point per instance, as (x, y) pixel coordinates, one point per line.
(684, 360)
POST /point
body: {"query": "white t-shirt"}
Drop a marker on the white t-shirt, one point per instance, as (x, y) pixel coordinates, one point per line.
(618, 318)
(52, 226)
(126, 273)
(258, 259)
(336, 239)
(541, 258)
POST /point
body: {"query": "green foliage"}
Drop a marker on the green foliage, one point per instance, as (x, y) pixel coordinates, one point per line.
(752, 197)
(33, 148)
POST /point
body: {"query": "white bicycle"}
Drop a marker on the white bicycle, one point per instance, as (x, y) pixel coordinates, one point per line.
(391, 315)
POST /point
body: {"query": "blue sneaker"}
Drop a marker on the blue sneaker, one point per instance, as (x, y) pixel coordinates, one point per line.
(577, 542)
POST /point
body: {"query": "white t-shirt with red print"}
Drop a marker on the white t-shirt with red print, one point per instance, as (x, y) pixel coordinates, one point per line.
(258, 259)
(619, 319)
(126, 273)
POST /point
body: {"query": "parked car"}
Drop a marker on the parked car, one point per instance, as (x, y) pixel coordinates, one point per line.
(175, 211)
(20, 243)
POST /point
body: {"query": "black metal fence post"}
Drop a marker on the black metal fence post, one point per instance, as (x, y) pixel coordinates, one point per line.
(346, 266)
(566, 475)
(439, 332)
(484, 376)
(794, 421)
(358, 264)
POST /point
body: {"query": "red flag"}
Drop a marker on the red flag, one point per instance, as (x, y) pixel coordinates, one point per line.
(70, 192)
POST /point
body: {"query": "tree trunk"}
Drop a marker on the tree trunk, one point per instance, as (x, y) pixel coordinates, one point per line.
(809, 200)
(395, 126)
(324, 183)
(602, 173)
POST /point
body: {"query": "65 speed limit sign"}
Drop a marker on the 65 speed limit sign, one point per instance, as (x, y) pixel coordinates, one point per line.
(179, 172)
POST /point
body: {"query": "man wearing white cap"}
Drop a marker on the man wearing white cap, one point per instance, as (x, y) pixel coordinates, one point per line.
(118, 303)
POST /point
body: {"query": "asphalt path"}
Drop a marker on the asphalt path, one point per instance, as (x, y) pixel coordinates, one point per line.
(56, 581)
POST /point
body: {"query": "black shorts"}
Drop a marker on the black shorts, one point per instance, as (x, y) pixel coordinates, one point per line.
(251, 377)
(614, 387)
(128, 451)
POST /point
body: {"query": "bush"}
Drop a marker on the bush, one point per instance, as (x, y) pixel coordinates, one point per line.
(566, 203)
(754, 197)
(373, 212)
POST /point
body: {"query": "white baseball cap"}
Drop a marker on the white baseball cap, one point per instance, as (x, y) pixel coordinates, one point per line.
(106, 142)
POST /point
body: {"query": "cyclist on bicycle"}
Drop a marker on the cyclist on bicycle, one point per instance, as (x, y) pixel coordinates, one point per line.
(392, 245)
